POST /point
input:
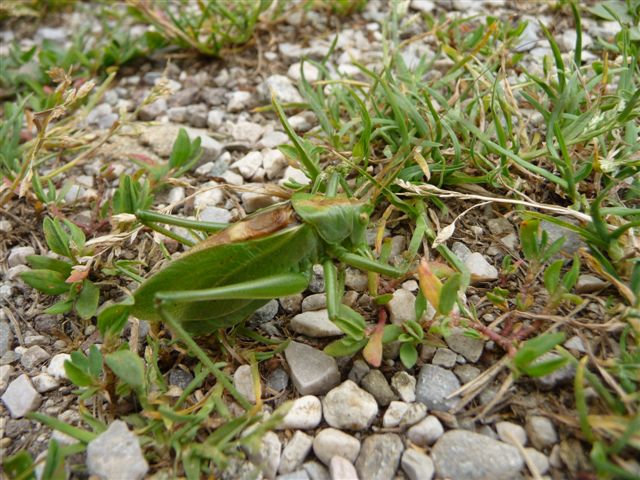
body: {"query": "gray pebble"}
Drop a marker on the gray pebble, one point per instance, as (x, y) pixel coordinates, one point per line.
(435, 384)
(379, 456)
(468, 455)
(313, 372)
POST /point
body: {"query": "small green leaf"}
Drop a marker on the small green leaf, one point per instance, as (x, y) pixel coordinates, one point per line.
(540, 369)
(63, 306)
(95, 361)
(449, 294)
(571, 277)
(414, 329)
(87, 302)
(76, 234)
(128, 367)
(552, 276)
(383, 299)
(391, 333)
(529, 238)
(57, 239)
(17, 466)
(112, 319)
(76, 375)
(345, 347)
(46, 281)
(408, 355)
(40, 262)
(535, 348)
(421, 305)
(181, 149)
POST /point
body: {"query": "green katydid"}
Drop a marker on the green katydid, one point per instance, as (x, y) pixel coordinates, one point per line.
(220, 281)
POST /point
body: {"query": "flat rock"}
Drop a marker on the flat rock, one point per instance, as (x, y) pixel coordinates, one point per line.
(33, 356)
(350, 407)
(20, 397)
(405, 385)
(394, 414)
(468, 455)
(243, 382)
(282, 88)
(239, 100)
(417, 465)
(315, 324)
(317, 301)
(589, 283)
(541, 432)
(572, 240)
(511, 433)
(426, 432)
(5, 374)
(379, 456)
(273, 139)
(300, 474)
(316, 471)
(304, 414)
(6, 337)
(415, 413)
(480, 268)
(56, 366)
(444, 358)
(466, 372)
(313, 372)
(278, 380)
(330, 442)
(342, 469)
(115, 454)
(402, 306)
(18, 256)
(376, 384)
(295, 452)
(469, 347)
(358, 371)
(44, 382)
(267, 456)
(435, 384)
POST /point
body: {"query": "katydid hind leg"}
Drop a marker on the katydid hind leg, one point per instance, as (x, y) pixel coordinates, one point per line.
(267, 288)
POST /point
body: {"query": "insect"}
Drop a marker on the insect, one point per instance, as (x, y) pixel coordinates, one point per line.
(220, 281)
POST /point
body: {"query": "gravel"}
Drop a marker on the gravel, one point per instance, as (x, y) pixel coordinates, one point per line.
(315, 324)
(349, 407)
(468, 455)
(330, 442)
(435, 384)
(379, 456)
(115, 454)
(295, 452)
(417, 465)
(21, 397)
(304, 414)
(426, 432)
(376, 384)
(313, 372)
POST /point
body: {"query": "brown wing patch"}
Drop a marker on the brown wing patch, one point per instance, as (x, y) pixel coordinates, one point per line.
(254, 226)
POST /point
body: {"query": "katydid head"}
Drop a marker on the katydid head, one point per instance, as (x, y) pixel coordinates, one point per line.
(335, 219)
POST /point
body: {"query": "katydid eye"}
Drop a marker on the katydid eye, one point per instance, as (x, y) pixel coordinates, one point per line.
(364, 218)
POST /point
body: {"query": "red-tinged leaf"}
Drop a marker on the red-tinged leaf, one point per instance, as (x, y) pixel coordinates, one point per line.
(78, 274)
(372, 353)
(430, 284)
